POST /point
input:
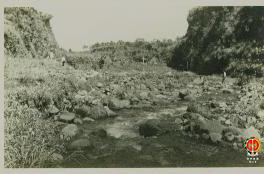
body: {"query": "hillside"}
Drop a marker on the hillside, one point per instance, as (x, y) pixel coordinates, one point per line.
(223, 38)
(28, 33)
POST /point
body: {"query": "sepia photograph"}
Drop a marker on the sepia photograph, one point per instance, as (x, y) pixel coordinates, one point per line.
(133, 84)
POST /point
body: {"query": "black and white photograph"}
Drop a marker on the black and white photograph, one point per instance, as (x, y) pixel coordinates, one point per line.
(133, 84)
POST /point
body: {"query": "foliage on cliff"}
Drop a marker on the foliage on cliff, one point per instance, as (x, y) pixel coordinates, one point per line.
(222, 38)
(27, 33)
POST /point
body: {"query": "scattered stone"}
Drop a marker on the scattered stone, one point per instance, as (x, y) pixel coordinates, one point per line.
(260, 125)
(250, 132)
(194, 108)
(198, 81)
(99, 85)
(222, 104)
(215, 137)
(87, 119)
(83, 111)
(227, 91)
(189, 98)
(143, 95)
(260, 115)
(109, 112)
(80, 144)
(251, 120)
(178, 121)
(66, 117)
(78, 121)
(100, 133)
(228, 122)
(98, 112)
(119, 104)
(235, 146)
(53, 110)
(69, 131)
(205, 136)
(149, 128)
(183, 94)
(56, 157)
(229, 136)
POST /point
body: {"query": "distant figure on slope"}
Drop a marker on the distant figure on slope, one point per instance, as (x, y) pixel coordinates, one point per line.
(63, 60)
(224, 77)
(51, 55)
(102, 62)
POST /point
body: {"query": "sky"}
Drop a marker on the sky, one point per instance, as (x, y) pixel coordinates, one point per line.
(79, 22)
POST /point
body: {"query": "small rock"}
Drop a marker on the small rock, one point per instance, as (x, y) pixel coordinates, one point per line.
(189, 98)
(80, 144)
(83, 111)
(100, 133)
(87, 119)
(251, 120)
(260, 125)
(260, 114)
(99, 85)
(205, 136)
(222, 104)
(215, 137)
(109, 112)
(229, 136)
(78, 121)
(235, 146)
(56, 157)
(227, 91)
(178, 121)
(183, 94)
(228, 122)
(53, 110)
(69, 131)
(222, 119)
(66, 117)
(143, 95)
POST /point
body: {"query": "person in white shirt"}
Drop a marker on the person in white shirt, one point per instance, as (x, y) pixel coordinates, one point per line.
(224, 77)
(63, 60)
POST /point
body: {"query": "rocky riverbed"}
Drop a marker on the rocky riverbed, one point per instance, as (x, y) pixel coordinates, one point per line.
(204, 123)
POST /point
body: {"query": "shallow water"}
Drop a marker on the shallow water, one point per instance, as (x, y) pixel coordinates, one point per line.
(124, 147)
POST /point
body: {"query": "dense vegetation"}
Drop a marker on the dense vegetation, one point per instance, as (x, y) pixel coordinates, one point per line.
(222, 38)
(28, 33)
(121, 53)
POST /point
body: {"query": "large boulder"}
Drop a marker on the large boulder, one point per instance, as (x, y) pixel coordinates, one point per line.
(69, 131)
(95, 112)
(154, 127)
(83, 111)
(67, 117)
(115, 103)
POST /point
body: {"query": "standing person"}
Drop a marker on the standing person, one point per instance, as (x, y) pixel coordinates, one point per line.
(224, 77)
(63, 60)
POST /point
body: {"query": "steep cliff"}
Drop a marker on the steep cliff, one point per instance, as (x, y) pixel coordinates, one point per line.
(223, 38)
(27, 33)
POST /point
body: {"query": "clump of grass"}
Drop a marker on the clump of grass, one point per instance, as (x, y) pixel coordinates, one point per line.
(29, 140)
